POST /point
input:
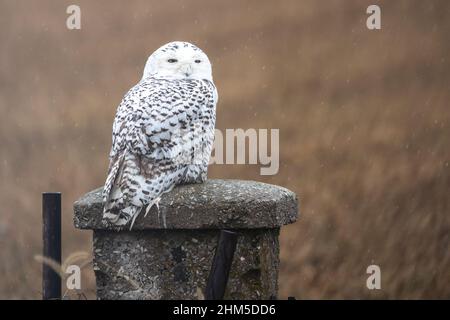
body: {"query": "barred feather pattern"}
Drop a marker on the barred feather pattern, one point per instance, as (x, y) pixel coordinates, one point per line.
(162, 136)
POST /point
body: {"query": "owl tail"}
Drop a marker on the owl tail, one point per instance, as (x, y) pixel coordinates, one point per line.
(114, 173)
(115, 211)
(121, 217)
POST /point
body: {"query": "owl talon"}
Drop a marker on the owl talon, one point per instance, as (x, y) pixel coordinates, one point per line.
(150, 205)
(157, 200)
(147, 210)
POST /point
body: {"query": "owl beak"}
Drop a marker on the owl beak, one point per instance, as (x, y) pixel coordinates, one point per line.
(186, 69)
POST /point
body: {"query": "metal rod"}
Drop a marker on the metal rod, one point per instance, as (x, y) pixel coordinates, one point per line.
(220, 269)
(51, 233)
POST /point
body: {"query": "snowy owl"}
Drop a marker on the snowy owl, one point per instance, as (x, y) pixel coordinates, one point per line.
(162, 133)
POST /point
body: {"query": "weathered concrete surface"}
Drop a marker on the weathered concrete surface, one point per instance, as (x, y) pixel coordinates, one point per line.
(154, 262)
(210, 205)
(174, 264)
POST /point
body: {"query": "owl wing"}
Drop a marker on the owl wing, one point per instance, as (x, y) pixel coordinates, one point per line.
(138, 128)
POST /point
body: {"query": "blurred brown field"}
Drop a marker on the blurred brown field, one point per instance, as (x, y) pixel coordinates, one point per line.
(363, 115)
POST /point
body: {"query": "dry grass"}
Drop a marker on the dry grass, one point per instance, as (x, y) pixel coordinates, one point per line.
(364, 126)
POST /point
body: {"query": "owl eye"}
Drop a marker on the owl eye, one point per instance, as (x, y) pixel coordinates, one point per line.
(197, 61)
(172, 60)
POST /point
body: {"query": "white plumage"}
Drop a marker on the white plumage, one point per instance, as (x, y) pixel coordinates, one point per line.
(163, 132)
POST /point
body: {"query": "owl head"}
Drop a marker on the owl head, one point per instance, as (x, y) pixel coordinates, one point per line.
(178, 60)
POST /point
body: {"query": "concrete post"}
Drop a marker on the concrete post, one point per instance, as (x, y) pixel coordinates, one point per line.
(169, 255)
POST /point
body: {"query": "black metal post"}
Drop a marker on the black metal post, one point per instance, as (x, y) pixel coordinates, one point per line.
(220, 269)
(51, 233)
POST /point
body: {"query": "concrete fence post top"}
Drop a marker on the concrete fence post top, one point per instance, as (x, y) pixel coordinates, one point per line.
(215, 204)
